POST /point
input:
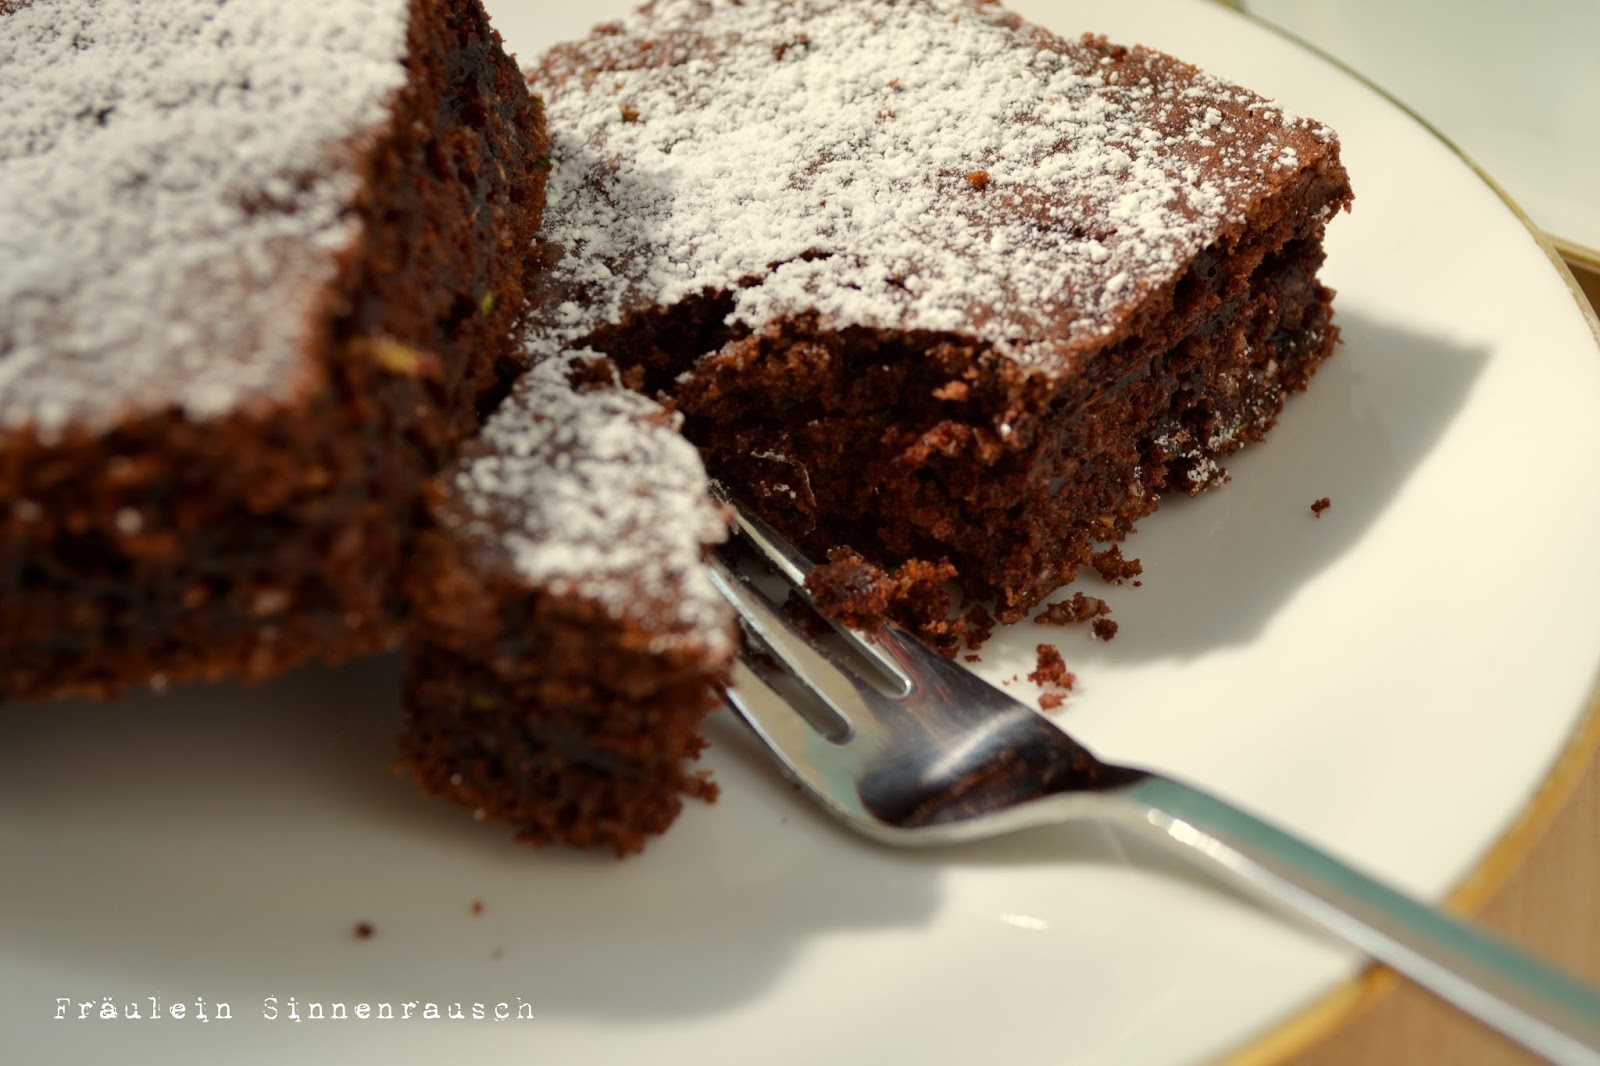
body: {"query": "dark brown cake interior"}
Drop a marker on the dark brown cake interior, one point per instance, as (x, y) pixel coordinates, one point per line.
(531, 708)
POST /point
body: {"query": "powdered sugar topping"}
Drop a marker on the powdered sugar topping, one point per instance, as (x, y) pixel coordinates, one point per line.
(923, 165)
(176, 190)
(593, 492)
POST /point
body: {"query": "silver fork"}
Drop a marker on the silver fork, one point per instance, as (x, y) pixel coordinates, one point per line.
(911, 749)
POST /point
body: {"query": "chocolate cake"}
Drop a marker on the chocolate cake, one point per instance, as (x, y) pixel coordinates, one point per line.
(931, 282)
(567, 641)
(926, 283)
(261, 263)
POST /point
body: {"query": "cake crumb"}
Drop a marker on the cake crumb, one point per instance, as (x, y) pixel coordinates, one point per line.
(850, 590)
(1111, 566)
(364, 930)
(972, 658)
(979, 626)
(1320, 506)
(978, 179)
(856, 592)
(1104, 628)
(1052, 669)
(1080, 608)
(1051, 700)
(477, 907)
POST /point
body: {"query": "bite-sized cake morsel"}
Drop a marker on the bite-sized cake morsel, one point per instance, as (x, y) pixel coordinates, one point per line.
(930, 281)
(261, 262)
(567, 643)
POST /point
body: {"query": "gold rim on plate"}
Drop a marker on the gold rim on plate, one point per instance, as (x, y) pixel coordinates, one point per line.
(1335, 1011)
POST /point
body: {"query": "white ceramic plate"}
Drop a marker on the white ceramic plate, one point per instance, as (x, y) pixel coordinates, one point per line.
(1392, 679)
(1516, 86)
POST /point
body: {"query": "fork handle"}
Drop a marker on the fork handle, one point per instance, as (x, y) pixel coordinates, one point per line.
(1546, 1011)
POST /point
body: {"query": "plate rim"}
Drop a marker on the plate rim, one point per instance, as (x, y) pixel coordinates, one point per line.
(1339, 1008)
(1572, 753)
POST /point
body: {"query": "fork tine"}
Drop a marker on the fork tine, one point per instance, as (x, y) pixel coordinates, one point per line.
(812, 754)
(793, 565)
(793, 741)
(781, 727)
(778, 549)
(804, 664)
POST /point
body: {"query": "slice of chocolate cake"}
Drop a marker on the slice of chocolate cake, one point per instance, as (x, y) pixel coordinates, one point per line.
(929, 281)
(566, 640)
(260, 260)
